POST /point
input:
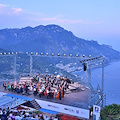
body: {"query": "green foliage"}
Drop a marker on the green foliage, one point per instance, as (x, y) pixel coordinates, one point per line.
(110, 112)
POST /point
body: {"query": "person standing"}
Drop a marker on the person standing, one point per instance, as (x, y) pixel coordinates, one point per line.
(59, 94)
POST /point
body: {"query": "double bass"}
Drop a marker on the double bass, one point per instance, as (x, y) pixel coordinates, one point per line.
(57, 96)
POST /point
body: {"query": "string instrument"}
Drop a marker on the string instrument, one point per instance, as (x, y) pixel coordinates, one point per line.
(64, 79)
(61, 93)
(57, 96)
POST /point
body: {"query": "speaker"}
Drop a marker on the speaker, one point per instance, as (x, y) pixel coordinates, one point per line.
(84, 66)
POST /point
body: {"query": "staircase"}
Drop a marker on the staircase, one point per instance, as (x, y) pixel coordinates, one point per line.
(35, 104)
(32, 104)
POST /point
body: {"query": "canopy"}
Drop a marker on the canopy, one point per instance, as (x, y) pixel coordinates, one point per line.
(11, 101)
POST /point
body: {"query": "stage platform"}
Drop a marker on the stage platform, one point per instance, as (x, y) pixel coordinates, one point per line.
(76, 99)
(74, 103)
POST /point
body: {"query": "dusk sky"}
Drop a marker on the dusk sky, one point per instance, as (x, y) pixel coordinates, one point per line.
(88, 19)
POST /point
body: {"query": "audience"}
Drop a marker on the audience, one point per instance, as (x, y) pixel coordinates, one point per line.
(6, 114)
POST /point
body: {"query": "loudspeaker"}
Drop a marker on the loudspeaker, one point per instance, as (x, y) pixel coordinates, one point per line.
(84, 66)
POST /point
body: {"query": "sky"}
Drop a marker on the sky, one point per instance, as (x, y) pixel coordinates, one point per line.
(97, 20)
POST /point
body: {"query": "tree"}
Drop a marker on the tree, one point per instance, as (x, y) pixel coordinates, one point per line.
(110, 112)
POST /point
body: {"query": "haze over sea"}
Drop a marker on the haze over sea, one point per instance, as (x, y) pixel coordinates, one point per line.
(111, 81)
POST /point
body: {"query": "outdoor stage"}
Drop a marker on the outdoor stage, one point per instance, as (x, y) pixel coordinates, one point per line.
(74, 103)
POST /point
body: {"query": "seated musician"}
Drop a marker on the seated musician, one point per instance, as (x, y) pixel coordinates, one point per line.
(4, 85)
(53, 93)
(35, 90)
(40, 92)
(47, 93)
(21, 88)
(12, 87)
(17, 89)
(26, 88)
(8, 86)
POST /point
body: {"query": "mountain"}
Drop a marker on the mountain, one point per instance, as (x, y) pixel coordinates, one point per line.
(47, 39)
(52, 39)
(3, 50)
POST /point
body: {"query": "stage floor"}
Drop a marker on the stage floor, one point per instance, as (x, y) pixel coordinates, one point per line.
(76, 99)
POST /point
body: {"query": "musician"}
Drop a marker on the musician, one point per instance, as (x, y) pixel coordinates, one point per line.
(4, 85)
(26, 88)
(55, 93)
(63, 91)
(59, 94)
(35, 90)
(40, 92)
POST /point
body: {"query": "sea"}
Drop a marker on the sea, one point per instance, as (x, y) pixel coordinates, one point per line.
(111, 81)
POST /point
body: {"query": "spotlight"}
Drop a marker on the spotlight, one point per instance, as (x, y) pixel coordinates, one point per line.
(58, 54)
(77, 55)
(70, 55)
(52, 54)
(64, 54)
(83, 55)
(36, 53)
(41, 53)
(27, 53)
(89, 56)
(47, 54)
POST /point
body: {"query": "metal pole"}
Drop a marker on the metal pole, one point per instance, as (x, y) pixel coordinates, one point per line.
(89, 76)
(86, 78)
(89, 84)
(102, 82)
(14, 66)
(31, 62)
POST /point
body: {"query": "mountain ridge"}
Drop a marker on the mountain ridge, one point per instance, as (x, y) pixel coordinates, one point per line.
(52, 39)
